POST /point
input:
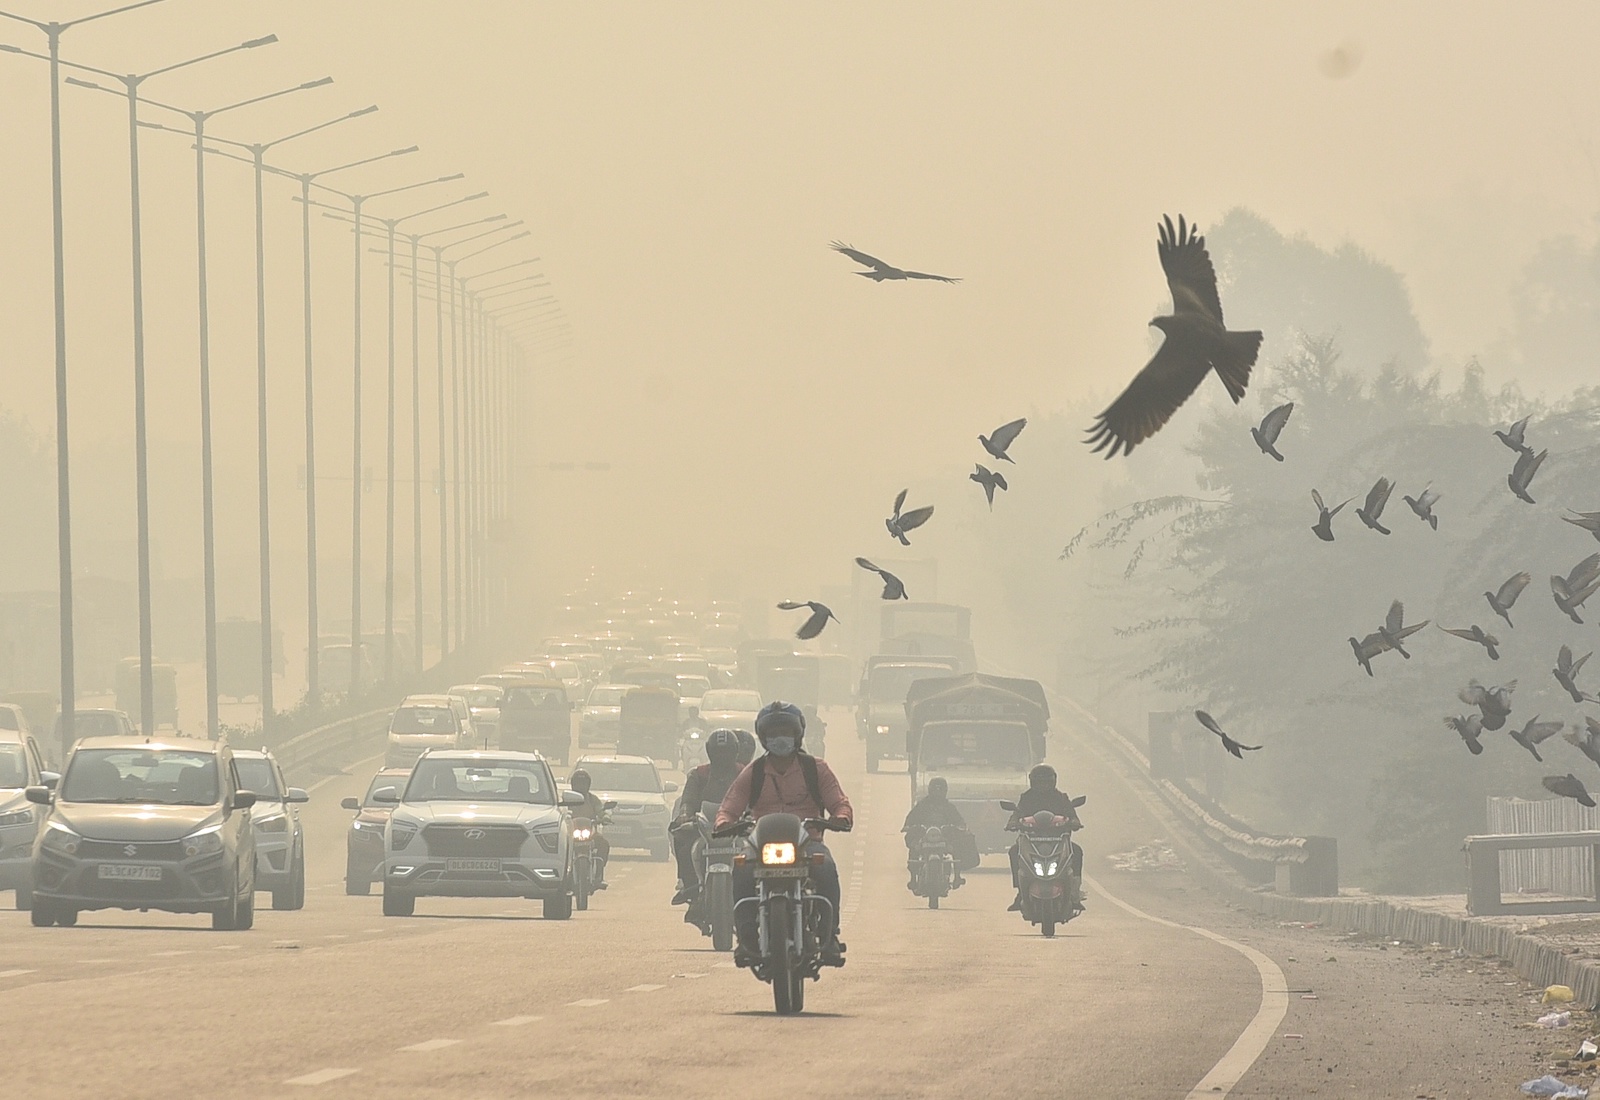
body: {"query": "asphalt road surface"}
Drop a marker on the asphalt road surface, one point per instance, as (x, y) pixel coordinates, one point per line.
(483, 998)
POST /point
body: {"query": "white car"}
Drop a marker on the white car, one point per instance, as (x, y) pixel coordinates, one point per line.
(483, 703)
(644, 802)
(601, 716)
(478, 825)
(21, 766)
(280, 839)
(730, 708)
(424, 722)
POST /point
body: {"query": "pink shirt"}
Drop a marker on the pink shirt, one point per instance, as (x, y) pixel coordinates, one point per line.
(783, 790)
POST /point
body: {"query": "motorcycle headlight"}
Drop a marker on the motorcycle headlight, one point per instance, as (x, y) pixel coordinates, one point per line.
(16, 817)
(278, 823)
(582, 834)
(1038, 869)
(204, 843)
(1053, 868)
(883, 729)
(59, 838)
(780, 854)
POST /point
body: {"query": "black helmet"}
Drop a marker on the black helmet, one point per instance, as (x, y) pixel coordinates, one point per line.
(1042, 777)
(722, 746)
(939, 787)
(580, 781)
(780, 717)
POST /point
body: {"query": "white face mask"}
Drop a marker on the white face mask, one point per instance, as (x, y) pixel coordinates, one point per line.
(781, 746)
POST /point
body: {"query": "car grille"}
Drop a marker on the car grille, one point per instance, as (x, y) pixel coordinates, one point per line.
(496, 841)
(137, 851)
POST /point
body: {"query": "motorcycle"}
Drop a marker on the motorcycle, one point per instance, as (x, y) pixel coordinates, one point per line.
(691, 749)
(1051, 888)
(713, 865)
(793, 920)
(588, 868)
(933, 873)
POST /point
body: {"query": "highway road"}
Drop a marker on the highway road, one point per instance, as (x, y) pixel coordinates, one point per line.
(485, 998)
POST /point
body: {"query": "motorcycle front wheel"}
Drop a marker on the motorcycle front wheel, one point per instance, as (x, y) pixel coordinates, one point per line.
(788, 984)
(719, 910)
(580, 888)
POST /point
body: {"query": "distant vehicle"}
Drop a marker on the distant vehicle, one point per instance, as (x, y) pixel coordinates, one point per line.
(94, 722)
(881, 702)
(478, 825)
(334, 666)
(280, 839)
(691, 693)
(363, 863)
(146, 824)
(507, 679)
(536, 717)
(643, 803)
(165, 693)
(600, 719)
(22, 766)
(648, 722)
(483, 701)
(570, 673)
(730, 708)
(424, 722)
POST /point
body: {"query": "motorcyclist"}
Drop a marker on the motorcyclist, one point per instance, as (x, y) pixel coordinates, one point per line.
(1042, 794)
(707, 783)
(934, 809)
(594, 809)
(790, 782)
(747, 746)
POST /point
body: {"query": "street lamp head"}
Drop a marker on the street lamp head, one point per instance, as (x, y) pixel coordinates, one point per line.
(402, 152)
(254, 42)
(448, 179)
(87, 84)
(316, 83)
(479, 195)
(364, 111)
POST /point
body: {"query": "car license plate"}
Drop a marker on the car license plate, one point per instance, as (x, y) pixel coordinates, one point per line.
(782, 872)
(137, 872)
(473, 865)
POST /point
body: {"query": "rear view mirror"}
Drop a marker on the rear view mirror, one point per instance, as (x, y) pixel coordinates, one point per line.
(297, 794)
(243, 800)
(1079, 801)
(1004, 805)
(572, 799)
(389, 796)
(350, 802)
(609, 804)
(38, 795)
(50, 779)
(670, 787)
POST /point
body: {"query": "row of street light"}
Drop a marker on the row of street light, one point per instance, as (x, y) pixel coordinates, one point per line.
(485, 361)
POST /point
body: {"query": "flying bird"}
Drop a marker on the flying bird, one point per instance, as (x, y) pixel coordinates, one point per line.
(990, 480)
(1377, 498)
(1507, 594)
(1002, 438)
(1266, 436)
(1566, 674)
(1324, 524)
(1394, 632)
(1531, 735)
(1589, 521)
(1195, 344)
(1586, 739)
(893, 588)
(1514, 437)
(1470, 727)
(1568, 786)
(820, 614)
(1228, 743)
(881, 271)
(1522, 474)
(899, 524)
(1366, 649)
(1476, 634)
(1493, 703)
(1571, 591)
(1423, 504)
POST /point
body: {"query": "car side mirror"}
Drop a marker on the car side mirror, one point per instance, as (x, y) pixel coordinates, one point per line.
(608, 804)
(38, 795)
(243, 800)
(50, 779)
(670, 787)
(1004, 805)
(389, 796)
(350, 802)
(298, 794)
(572, 799)
(1079, 801)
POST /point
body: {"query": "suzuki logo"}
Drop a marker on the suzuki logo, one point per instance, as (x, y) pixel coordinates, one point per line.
(473, 834)
(130, 850)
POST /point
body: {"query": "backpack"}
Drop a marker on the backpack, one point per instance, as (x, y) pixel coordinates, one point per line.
(808, 768)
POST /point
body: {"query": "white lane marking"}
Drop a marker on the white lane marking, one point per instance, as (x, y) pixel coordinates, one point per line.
(226, 947)
(335, 936)
(430, 1044)
(167, 954)
(630, 989)
(320, 1077)
(729, 965)
(515, 1021)
(1252, 1041)
(20, 973)
(588, 1002)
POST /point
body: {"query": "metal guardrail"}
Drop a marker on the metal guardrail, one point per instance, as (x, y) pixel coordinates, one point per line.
(304, 748)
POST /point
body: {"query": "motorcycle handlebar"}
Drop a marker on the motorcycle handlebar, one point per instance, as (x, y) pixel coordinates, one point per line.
(834, 824)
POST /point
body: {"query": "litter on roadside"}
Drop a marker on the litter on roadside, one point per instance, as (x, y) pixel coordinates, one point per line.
(1555, 1088)
(1558, 994)
(1587, 1051)
(1555, 1019)
(1158, 855)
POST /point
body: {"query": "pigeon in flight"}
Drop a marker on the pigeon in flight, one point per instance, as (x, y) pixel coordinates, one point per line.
(1589, 521)
(1521, 476)
(1507, 595)
(1377, 498)
(1394, 632)
(1476, 634)
(893, 589)
(1568, 786)
(1566, 674)
(1514, 437)
(990, 480)
(1493, 703)
(1470, 727)
(1368, 648)
(820, 614)
(1423, 506)
(1228, 743)
(1002, 438)
(899, 524)
(1266, 436)
(1586, 739)
(1535, 732)
(1195, 344)
(1571, 591)
(1324, 524)
(881, 271)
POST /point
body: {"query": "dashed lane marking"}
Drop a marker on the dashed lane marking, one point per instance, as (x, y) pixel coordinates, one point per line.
(430, 1044)
(168, 954)
(320, 1077)
(17, 973)
(589, 1002)
(515, 1021)
(630, 989)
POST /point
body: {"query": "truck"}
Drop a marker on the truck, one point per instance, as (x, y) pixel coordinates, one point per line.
(981, 734)
(919, 629)
(881, 701)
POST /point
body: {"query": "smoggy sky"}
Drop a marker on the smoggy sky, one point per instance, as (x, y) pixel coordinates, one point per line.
(683, 167)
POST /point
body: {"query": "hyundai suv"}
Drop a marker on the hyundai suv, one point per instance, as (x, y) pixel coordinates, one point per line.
(478, 825)
(146, 824)
(280, 840)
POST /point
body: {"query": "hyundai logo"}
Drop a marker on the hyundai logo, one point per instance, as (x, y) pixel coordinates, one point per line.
(470, 834)
(130, 850)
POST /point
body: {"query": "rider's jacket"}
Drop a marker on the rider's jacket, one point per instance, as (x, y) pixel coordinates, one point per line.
(706, 784)
(784, 790)
(934, 811)
(1031, 801)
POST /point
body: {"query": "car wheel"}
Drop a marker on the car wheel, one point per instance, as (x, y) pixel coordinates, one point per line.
(42, 916)
(66, 918)
(292, 896)
(225, 916)
(244, 917)
(558, 907)
(24, 898)
(396, 904)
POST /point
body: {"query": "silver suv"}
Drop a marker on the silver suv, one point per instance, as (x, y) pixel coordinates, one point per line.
(478, 825)
(22, 766)
(280, 840)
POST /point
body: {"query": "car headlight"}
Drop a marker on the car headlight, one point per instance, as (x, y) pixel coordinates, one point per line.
(401, 834)
(59, 838)
(16, 817)
(780, 854)
(278, 823)
(204, 843)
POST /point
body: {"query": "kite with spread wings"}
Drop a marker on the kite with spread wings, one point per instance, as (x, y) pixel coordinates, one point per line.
(881, 271)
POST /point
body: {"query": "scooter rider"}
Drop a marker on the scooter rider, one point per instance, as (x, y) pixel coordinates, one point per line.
(1042, 794)
(785, 780)
(707, 783)
(934, 810)
(594, 809)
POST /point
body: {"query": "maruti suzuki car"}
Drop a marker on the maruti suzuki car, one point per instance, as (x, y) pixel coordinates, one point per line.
(280, 839)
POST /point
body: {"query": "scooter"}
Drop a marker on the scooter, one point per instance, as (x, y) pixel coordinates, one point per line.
(933, 873)
(1051, 882)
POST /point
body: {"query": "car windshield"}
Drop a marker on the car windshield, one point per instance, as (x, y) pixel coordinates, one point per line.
(889, 683)
(479, 781)
(428, 719)
(172, 777)
(608, 695)
(975, 745)
(258, 776)
(8, 719)
(692, 687)
(730, 699)
(379, 782)
(13, 767)
(564, 670)
(533, 697)
(482, 696)
(97, 723)
(622, 775)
